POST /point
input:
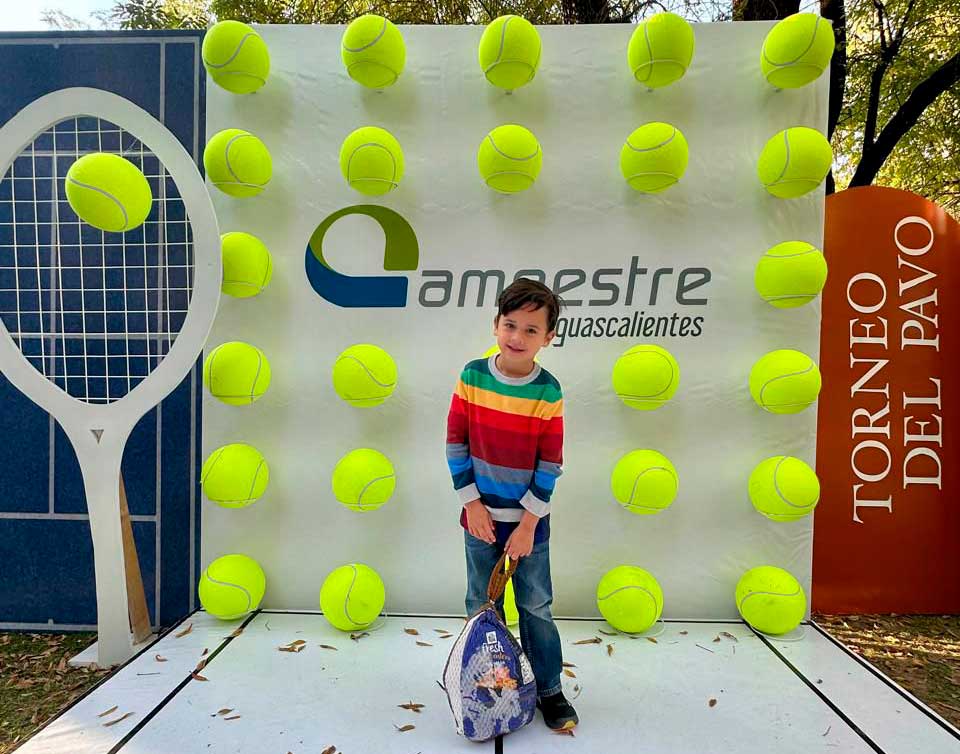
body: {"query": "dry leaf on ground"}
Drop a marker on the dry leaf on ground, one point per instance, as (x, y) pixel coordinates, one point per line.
(594, 640)
(110, 711)
(424, 644)
(327, 646)
(159, 658)
(712, 702)
(609, 650)
(569, 673)
(118, 720)
(411, 631)
(185, 631)
(405, 728)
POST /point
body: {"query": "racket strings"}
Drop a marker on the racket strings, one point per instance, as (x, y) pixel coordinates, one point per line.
(94, 312)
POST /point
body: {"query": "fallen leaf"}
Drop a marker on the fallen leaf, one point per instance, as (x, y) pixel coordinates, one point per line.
(405, 728)
(712, 702)
(200, 666)
(569, 665)
(62, 667)
(441, 631)
(224, 711)
(358, 637)
(236, 633)
(198, 677)
(205, 650)
(729, 635)
(158, 658)
(412, 706)
(296, 646)
(234, 717)
(109, 711)
(118, 720)
(684, 633)
(330, 750)
(607, 633)
(185, 631)
(423, 644)
(569, 673)
(327, 646)
(650, 638)
(609, 650)
(565, 733)
(411, 631)
(827, 730)
(594, 640)
(717, 640)
(819, 681)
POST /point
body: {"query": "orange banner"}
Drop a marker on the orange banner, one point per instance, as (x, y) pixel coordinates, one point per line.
(887, 529)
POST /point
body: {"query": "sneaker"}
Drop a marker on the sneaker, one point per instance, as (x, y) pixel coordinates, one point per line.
(558, 713)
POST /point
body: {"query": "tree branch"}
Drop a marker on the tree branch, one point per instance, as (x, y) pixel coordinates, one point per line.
(904, 119)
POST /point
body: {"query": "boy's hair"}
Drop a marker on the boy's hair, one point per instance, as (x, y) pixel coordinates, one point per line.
(525, 291)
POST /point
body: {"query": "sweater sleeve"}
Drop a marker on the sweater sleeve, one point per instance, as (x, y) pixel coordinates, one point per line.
(458, 447)
(549, 462)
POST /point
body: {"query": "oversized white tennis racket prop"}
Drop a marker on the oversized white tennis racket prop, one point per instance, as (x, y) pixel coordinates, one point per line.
(97, 328)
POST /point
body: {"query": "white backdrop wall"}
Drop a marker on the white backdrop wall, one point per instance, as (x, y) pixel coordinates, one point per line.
(580, 214)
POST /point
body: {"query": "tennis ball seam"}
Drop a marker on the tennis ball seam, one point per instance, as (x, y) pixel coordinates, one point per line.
(511, 157)
(377, 63)
(636, 481)
(216, 460)
(253, 481)
(813, 39)
(370, 44)
(256, 377)
(234, 55)
(656, 146)
(651, 595)
(776, 486)
(652, 395)
(243, 589)
(226, 159)
(392, 180)
(346, 597)
(223, 74)
(783, 377)
(499, 58)
(786, 162)
(368, 485)
(108, 195)
(769, 594)
(369, 373)
(811, 250)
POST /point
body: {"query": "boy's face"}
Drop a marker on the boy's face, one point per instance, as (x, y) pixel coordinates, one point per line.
(521, 334)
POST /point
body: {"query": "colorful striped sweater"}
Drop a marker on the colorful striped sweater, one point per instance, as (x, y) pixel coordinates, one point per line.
(505, 443)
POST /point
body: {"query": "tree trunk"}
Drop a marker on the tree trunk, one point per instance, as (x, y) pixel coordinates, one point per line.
(836, 12)
(764, 10)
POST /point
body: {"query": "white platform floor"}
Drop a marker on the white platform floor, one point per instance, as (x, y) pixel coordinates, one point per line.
(773, 697)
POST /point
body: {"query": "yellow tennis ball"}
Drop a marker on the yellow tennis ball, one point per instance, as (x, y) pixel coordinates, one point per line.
(236, 57)
(509, 52)
(794, 162)
(363, 480)
(784, 381)
(364, 375)
(371, 161)
(236, 373)
(784, 488)
(231, 586)
(654, 157)
(509, 159)
(108, 192)
(660, 49)
(247, 265)
(373, 51)
(629, 599)
(235, 475)
(790, 274)
(644, 482)
(797, 50)
(645, 377)
(237, 163)
(771, 600)
(352, 597)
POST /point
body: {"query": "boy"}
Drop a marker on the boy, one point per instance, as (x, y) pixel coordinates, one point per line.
(505, 450)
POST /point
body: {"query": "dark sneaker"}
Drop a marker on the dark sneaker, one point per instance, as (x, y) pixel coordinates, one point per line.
(558, 714)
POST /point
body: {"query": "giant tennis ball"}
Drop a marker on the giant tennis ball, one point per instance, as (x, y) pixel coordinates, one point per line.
(108, 192)
(644, 481)
(797, 50)
(784, 381)
(231, 586)
(237, 163)
(784, 488)
(629, 598)
(509, 159)
(352, 597)
(236, 57)
(373, 51)
(247, 264)
(509, 52)
(771, 600)
(645, 377)
(790, 274)
(660, 49)
(654, 157)
(371, 161)
(364, 375)
(235, 475)
(794, 162)
(236, 373)
(363, 479)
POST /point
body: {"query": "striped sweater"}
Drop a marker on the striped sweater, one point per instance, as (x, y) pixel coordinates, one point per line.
(505, 443)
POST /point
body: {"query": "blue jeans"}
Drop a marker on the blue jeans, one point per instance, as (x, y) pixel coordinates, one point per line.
(534, 595)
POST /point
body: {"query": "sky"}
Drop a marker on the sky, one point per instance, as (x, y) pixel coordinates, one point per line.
(24, 15)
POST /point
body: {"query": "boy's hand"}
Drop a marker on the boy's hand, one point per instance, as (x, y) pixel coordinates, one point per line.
(479, 522)
(520, 543)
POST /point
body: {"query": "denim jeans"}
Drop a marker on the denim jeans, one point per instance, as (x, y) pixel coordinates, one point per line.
(534, 595)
